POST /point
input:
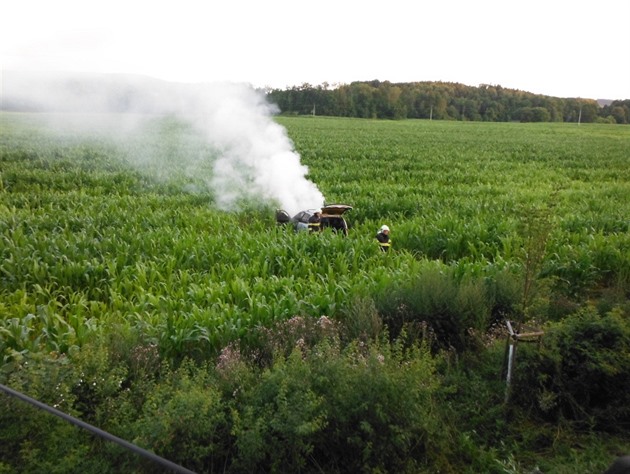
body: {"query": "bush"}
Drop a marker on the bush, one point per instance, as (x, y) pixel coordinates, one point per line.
(583, 372)
(365, 406)
(368, 407)
(276, 423)
(37, 441)
(361, 321)
(186, 420)
(438, 306)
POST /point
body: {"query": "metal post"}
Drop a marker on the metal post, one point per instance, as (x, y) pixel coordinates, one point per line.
(513, 337)
(510, 365)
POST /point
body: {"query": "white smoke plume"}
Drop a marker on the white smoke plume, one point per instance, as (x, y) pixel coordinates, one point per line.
(248, 155)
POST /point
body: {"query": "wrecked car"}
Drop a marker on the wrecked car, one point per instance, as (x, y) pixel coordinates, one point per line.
(331, 217)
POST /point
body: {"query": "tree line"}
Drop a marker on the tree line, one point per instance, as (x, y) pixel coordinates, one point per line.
(442, 101)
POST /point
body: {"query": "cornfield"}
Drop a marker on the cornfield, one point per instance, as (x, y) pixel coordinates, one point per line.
(94, 244)
(228, 343)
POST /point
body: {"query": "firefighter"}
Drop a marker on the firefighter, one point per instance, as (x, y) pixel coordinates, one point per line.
(383, 238)
(314, 221)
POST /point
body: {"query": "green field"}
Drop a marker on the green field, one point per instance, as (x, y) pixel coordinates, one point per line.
(109, 250)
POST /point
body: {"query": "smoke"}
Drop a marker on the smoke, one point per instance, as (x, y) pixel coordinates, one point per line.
(237, 151)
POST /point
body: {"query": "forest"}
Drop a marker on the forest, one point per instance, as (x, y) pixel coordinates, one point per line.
(443, 101)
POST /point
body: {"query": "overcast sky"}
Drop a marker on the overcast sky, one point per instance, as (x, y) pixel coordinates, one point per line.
(572, 48)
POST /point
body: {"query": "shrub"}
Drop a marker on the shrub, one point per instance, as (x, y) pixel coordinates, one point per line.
(186, 420)
(274, 427)
(435, 304)
(583, 372)
(368, 407)
(281, 338)
(32, 440)
(361, 321)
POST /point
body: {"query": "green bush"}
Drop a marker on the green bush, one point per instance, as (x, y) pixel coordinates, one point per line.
(32, 440)
(439, 306)
(365, 408)
(582, 374)
(361, 321)
(186, 420)
(275, 425)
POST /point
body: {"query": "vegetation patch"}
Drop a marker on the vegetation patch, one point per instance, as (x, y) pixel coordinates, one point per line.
(225, 342)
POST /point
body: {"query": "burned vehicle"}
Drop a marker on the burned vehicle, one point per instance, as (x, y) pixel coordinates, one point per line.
(331, 217)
